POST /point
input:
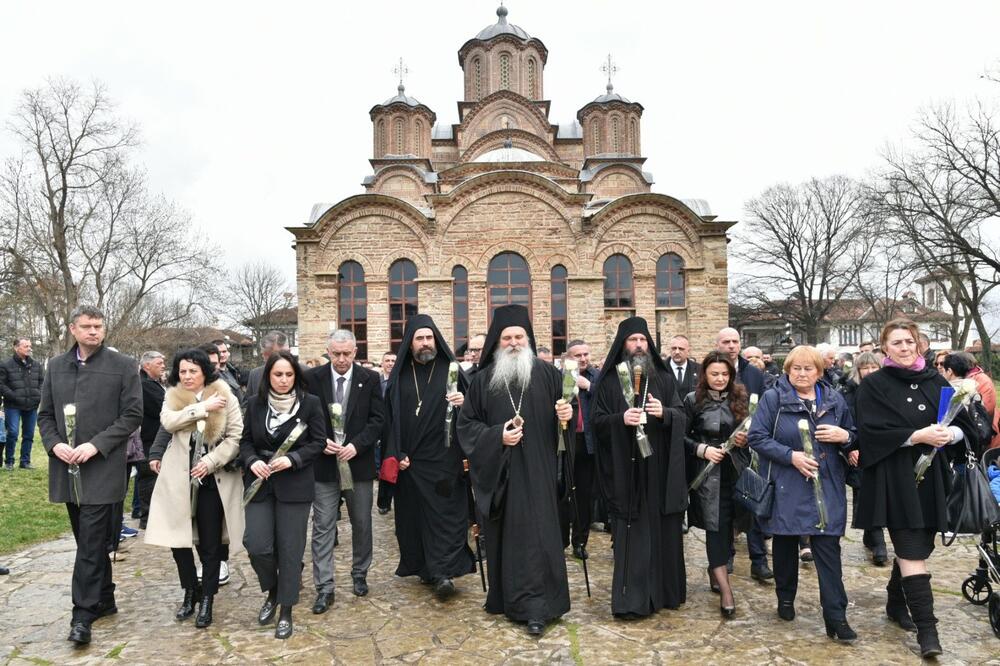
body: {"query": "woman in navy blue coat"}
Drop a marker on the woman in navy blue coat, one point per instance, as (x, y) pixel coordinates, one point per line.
(774, 434)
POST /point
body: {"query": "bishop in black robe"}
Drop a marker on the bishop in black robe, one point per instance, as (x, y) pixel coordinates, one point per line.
(646, 497)
(432, 510)
(516, 486)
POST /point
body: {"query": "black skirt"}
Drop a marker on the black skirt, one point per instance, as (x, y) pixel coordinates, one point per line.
(912, 544)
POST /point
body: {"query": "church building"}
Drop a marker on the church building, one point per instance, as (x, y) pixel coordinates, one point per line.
(507, 206)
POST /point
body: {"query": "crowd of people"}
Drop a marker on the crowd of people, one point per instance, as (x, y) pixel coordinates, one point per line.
(650, 445)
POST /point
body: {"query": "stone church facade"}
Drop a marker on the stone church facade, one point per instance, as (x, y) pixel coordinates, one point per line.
(506, 206)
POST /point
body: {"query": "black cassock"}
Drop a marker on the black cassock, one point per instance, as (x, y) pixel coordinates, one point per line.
(516, 490)
(655, 568)
(432, 509)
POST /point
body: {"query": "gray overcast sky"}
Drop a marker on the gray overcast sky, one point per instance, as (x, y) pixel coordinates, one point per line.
(251, 112)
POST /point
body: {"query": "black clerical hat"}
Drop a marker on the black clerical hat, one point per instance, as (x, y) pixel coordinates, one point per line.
(627, 329)
(508, 315)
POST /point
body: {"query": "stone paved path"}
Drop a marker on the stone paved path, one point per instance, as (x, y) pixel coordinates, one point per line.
(399, 622)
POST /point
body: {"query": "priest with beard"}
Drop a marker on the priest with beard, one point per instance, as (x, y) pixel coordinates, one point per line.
(509, 429)
(646, 497)
(431, 491)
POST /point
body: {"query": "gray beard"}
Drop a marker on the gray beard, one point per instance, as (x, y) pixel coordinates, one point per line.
(425, 356)
(511, 370)
(639, 360)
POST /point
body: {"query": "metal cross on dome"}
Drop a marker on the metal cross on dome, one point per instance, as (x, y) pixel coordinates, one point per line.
(609, 68)
(400, 71)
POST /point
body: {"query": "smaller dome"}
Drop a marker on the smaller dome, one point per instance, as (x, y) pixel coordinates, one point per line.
(507, 154)
(401, 97)
(501, 27)
(610, 96)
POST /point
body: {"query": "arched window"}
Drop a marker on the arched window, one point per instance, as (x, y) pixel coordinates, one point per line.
(595, 130)
(418, 138)
(532, 78)
(402, 299)
(560, 326)
(477, 78)
(504, 71)
(460, 304)
(353, 305)
(399, 149)
(615, 136)
(633, 136)
(508, 282)
(619, 291)
(380, 139)
(670, 281)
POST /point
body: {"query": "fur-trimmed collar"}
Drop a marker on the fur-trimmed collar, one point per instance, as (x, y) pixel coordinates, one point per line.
(178, 397)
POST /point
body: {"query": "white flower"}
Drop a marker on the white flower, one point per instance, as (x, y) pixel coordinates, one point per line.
(69, 409)
(803, 425)
(968, 386)
(336, 409)
(570, 364)
(754, 398)
(200, 426)
(453, 367)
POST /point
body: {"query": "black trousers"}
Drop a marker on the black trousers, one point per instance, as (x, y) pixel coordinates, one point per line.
(145, 483)
(826, 556)
(209, 520)
(94, 529)
(275, 539)
(385, 493)
(583, 477)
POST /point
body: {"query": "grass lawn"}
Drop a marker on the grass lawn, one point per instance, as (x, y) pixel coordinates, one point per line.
(26, 516)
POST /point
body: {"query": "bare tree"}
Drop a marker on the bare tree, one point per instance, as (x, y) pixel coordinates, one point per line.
(76, 220)
(882, 276)
(259, 290)
(804, 243)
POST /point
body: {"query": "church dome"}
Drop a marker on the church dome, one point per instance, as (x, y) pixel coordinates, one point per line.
(507, 154)
(401, 97)
(610, 96)
(501, 27)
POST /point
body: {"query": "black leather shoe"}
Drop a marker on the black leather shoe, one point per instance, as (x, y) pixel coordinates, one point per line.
(322, 603)
(26, 466)
(786, 610)
(360, 586)
(580, 552)
(79, 633)
(382, 511)
(761, 572)
(879, 556)
(536, 627)
(204, 617)
(284, 628)
(267, 611)
(840, 630)
(4, 571)
(444, 589)
(727, 611)
(187, 606)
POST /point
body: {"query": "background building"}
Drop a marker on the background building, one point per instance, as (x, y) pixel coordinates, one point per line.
(506, 206)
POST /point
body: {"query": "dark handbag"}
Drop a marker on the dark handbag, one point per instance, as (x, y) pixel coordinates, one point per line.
(753, 492)
(972, 508)
(134, 452)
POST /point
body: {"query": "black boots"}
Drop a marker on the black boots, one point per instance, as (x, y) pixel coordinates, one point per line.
(204, 617)
(920, 600)
(187, 606)
(895, 605)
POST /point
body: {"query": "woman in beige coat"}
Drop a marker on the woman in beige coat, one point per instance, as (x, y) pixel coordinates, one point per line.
(198, 494)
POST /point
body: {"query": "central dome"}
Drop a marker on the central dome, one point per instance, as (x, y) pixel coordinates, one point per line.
(501, 27)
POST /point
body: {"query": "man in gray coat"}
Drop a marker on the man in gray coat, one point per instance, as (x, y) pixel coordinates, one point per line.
(104, 387)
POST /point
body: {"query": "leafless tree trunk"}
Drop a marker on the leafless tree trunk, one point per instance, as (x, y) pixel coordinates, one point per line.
(257, 290)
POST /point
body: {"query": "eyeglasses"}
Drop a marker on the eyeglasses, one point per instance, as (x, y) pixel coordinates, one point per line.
(939, 365)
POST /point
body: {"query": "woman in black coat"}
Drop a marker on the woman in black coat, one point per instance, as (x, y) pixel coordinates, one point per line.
(897, 416)
(276, 518)
(714, 409)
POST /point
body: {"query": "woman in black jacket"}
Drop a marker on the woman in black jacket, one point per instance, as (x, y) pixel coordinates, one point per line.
(897, 411)
(714, 409)
(276, 518)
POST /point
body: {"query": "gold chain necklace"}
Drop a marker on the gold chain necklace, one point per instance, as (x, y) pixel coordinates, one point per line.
(517, 420)
(416, 386)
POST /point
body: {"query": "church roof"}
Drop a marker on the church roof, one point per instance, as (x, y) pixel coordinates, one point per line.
(610, 96)
(400, 96)
(501, 27)
(570, 130)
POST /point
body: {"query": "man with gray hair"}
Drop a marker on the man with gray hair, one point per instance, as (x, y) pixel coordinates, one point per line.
(359, 393)
(151, 369)
(21, 390)
(272, 342)
(105, 393)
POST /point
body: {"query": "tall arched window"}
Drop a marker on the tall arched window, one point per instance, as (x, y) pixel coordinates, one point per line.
(532, 78)
(380, 139)
(402, 299)
(504, 71)
(477, 78)
(418, 137)
(353, 305)
(460, 304)
(670, 281)
(595, 130)
(560, 325)
(619, 290)
(508, 282)
(616, 143)
(399, 148)
(633, 136)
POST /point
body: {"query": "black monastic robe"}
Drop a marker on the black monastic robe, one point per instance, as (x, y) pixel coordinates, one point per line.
(516, 490)
(649, 571)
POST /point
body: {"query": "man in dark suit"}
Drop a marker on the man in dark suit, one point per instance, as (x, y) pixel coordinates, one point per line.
(151, 370)
(359, 393)
(684, 370)
(104, 388)
(272, 342)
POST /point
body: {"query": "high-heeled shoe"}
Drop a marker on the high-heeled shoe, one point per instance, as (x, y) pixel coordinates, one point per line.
(840, 630)
(727, 611)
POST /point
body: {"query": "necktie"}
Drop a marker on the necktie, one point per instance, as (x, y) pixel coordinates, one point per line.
(680, 375)
(340, 391)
